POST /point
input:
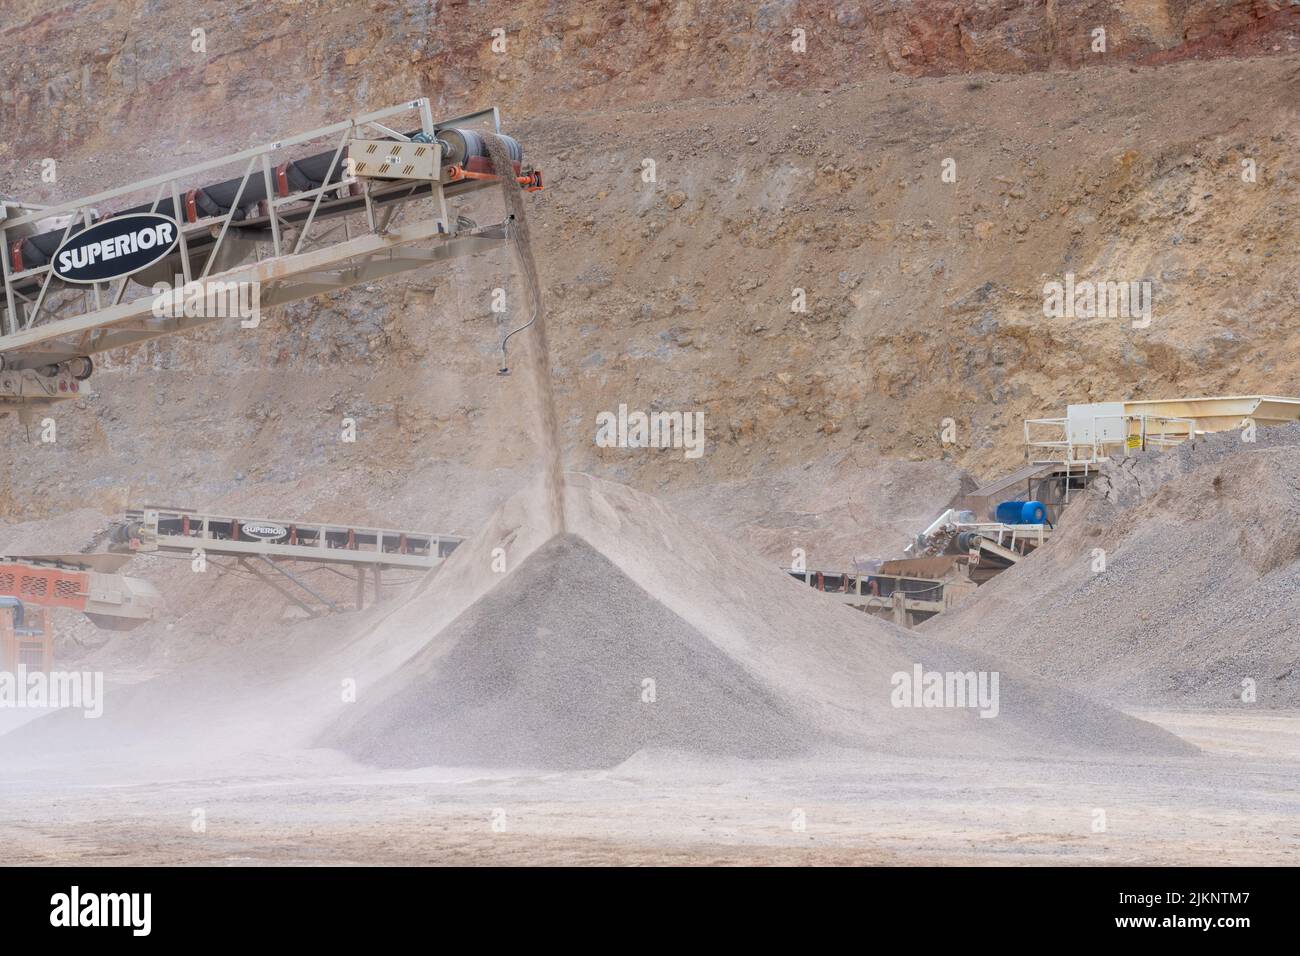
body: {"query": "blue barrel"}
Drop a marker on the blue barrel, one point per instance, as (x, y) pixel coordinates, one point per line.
(1021, 512)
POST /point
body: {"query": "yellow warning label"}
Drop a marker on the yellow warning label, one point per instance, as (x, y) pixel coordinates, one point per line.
(1134, 441)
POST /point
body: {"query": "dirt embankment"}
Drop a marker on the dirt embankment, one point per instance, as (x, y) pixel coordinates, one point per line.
(924, 298)
(138, 68)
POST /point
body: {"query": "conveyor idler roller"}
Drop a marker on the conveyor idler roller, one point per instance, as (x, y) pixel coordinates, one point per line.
(459, 148)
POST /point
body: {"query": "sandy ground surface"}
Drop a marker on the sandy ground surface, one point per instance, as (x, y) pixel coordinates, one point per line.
(237, 757)
(1237, 803)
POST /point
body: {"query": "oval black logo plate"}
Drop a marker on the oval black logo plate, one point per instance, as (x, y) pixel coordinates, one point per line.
(116, 247)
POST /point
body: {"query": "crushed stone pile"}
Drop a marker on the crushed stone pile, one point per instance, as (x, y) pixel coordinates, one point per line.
(545, 665)
(533, 674)
(1201, 587)
(636, 630)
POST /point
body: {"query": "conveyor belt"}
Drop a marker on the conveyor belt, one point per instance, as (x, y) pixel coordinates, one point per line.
(1025, 473)
(217, 199)
(161, 529)
(290, 228)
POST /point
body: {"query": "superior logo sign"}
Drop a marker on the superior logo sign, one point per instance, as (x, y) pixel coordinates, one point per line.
(264, 532)
(116, 247)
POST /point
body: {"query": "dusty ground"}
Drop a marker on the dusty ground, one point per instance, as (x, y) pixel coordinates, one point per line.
(1237, 804)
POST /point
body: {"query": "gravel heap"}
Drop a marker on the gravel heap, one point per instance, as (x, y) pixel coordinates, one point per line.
(547, 666)
(1201, 587)
(570, 665)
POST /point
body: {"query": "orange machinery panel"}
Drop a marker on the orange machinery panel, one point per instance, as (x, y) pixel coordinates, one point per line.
(31, 646)
(48, 587)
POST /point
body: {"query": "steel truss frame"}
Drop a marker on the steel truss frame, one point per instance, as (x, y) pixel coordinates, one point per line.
(297, 255)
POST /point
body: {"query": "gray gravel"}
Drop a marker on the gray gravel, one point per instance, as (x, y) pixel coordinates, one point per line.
(545, 668)
(1201, 589)
(549, 672)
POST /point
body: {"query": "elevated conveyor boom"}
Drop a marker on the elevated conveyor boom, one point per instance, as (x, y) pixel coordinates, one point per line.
(290, 225)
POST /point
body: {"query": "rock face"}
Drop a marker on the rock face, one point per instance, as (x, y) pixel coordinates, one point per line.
(136, 64)
(817, 171)
(642, 630)
(923, 299)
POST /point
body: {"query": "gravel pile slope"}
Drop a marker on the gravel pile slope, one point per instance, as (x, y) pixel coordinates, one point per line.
(1201, 587)
(545, 668)
(530, 650)
(535, 673)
